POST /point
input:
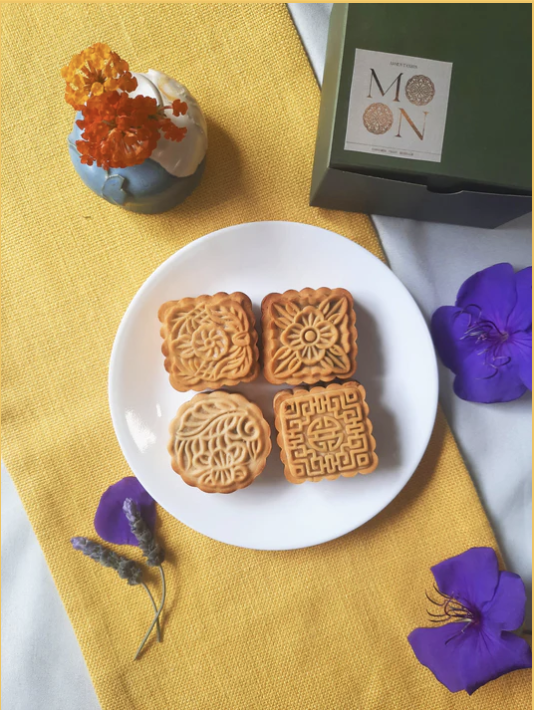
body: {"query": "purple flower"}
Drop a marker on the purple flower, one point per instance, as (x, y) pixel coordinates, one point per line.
(111, 522)
(483, 605)
(486, 339)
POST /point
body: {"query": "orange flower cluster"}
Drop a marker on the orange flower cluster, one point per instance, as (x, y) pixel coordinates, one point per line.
(93, 71)
(117, 130)
(120, 131)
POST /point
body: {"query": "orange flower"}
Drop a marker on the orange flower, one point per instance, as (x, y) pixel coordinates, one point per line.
(93, 71)
(171, 131)
(120, 131)
(179, 108)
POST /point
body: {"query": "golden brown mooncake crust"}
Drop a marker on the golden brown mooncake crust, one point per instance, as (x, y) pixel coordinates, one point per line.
(209, 341)
(325, 432)
(219, 442)
(309, 336)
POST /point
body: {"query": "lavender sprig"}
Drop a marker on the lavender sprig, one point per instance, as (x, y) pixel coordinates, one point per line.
(154, 555)
(125, 568)
(151, 550)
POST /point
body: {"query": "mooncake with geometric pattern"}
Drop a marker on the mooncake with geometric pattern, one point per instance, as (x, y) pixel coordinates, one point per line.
(209, 342)
(309, 336)
(324, 432)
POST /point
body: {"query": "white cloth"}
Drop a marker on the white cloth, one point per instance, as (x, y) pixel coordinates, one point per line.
(433, 260)
(42, 663)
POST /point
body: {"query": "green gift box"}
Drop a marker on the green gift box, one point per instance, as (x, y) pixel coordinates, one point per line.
(426, 112)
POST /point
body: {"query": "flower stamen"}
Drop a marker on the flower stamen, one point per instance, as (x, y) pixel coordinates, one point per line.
(452, 610)
(490, 337)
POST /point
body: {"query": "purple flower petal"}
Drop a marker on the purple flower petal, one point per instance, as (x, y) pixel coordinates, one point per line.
(522, 344)
(111, 523)
(521, 316)
(506, 611)
(435, 648)
(493, 290)
(462, 657)
(449, 325)
(486, 657)
(471, 577)
(479, 380)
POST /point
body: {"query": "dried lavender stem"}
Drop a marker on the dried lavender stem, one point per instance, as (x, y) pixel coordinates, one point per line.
(156, 618)
(147, 543)
(151, 550)
(125, 568)
(158, 629)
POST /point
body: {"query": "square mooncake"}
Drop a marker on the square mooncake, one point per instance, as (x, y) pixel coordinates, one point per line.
(325, 432)
(209, 342)
(309, 336)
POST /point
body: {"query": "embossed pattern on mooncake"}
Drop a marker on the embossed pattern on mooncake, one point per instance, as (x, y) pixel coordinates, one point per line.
(324, 433)
(219, 442)
(209, 341)
(309, 336)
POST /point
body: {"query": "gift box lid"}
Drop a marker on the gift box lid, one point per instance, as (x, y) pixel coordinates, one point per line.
(437, 94)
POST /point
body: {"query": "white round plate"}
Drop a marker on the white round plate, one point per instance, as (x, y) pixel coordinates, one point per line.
(396, 365)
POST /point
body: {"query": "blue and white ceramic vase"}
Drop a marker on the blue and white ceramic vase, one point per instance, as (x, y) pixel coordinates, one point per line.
(173, 170)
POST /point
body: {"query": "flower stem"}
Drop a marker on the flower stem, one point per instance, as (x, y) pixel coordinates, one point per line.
(158, 629)
(156, 618)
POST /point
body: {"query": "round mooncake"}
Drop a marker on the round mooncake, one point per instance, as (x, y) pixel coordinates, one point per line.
(219, 442)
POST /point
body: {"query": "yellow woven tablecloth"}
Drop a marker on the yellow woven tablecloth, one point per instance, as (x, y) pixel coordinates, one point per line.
(322, 628)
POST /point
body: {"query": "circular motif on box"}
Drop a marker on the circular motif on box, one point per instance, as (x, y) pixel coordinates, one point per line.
(420, 90)
(378, 118)
(325, 434)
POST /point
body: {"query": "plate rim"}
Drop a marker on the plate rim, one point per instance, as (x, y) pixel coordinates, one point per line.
(154, 276)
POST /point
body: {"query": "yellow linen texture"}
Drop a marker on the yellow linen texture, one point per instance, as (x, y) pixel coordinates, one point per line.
(322, 628)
